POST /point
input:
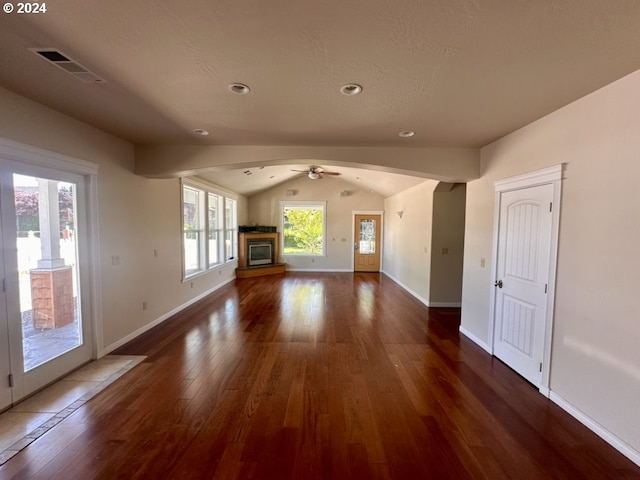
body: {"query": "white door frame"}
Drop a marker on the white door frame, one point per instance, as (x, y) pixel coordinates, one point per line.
(353, 234)
(551, 175)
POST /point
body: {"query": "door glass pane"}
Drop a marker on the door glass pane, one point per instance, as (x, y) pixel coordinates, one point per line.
(367, 236)
(47, 268)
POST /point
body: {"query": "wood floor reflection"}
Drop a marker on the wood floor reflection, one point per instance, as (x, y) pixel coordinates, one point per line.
(317, 376)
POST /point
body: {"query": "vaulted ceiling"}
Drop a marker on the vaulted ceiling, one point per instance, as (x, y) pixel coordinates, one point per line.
(459, 73)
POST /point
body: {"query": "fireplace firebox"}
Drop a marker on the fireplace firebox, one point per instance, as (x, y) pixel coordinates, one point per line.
(260, 252)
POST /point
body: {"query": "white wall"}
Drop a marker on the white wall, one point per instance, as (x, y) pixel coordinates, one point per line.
(407, 240)
(135, 216)
(595, 362)
(264, 209)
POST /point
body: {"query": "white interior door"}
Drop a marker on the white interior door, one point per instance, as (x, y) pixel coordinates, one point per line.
(522, 278)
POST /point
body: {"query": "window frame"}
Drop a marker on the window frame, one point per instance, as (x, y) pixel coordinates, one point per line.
(222, 229)
(304, 205)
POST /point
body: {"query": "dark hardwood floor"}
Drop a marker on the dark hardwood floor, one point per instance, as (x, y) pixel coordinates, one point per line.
(317, 376)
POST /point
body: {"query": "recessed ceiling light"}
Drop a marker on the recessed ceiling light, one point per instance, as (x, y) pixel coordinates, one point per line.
(407, 134)
(200, 131)
(351, 89)
(239, 88)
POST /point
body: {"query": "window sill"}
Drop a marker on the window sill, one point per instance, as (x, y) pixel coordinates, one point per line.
(231, 263)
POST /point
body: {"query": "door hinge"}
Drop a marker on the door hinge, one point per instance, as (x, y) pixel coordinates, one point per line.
(545, 288)
(551, 206)
(11, 380)
(540, 367)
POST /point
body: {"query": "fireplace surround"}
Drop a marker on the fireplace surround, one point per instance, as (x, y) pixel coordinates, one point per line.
(258, 253)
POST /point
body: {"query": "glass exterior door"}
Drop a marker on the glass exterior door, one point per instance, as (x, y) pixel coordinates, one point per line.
(46, 241)
(42, 311)
(367, 243)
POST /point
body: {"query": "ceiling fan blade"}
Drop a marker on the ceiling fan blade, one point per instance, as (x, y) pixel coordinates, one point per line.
(315, 172)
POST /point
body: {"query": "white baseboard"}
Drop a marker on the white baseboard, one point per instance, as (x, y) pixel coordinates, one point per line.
(445, 304)
(110, 348)
(617, 443)
(415, 294)
(319, 270)
(485, 346)
(421, 298)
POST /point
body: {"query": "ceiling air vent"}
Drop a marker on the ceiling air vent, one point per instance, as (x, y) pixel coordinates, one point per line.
(70, 66)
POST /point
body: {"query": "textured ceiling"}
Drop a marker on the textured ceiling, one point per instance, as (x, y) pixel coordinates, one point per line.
(461, 73)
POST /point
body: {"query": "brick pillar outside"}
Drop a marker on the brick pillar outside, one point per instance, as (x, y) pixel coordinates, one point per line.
(52, 297)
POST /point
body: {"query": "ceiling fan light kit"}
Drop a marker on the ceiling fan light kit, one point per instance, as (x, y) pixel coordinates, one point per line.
(314, 172)
(407, 134)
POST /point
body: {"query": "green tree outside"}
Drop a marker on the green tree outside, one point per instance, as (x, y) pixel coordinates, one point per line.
(303, 231)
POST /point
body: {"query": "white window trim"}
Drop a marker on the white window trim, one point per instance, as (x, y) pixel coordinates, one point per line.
(299, 203)
(206, 188)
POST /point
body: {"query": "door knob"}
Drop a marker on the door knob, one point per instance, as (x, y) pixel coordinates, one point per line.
(498, 284)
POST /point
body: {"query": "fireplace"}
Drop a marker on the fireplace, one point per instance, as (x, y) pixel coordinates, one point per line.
(257, 249)
(260, 251)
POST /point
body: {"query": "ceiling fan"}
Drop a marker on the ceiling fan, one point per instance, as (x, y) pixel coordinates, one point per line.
(314, 172)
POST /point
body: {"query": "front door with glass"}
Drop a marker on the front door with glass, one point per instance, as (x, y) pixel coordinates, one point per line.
(367, 243)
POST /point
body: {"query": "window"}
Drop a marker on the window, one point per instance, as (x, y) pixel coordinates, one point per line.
(230, 228)
(192, 229)
(216, 228)
(209, 228)
(303, 228)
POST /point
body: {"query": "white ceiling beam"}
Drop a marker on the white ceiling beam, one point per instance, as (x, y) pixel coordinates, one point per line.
(444, 164)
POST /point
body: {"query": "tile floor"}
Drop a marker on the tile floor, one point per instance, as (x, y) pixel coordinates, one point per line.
(27, 421)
